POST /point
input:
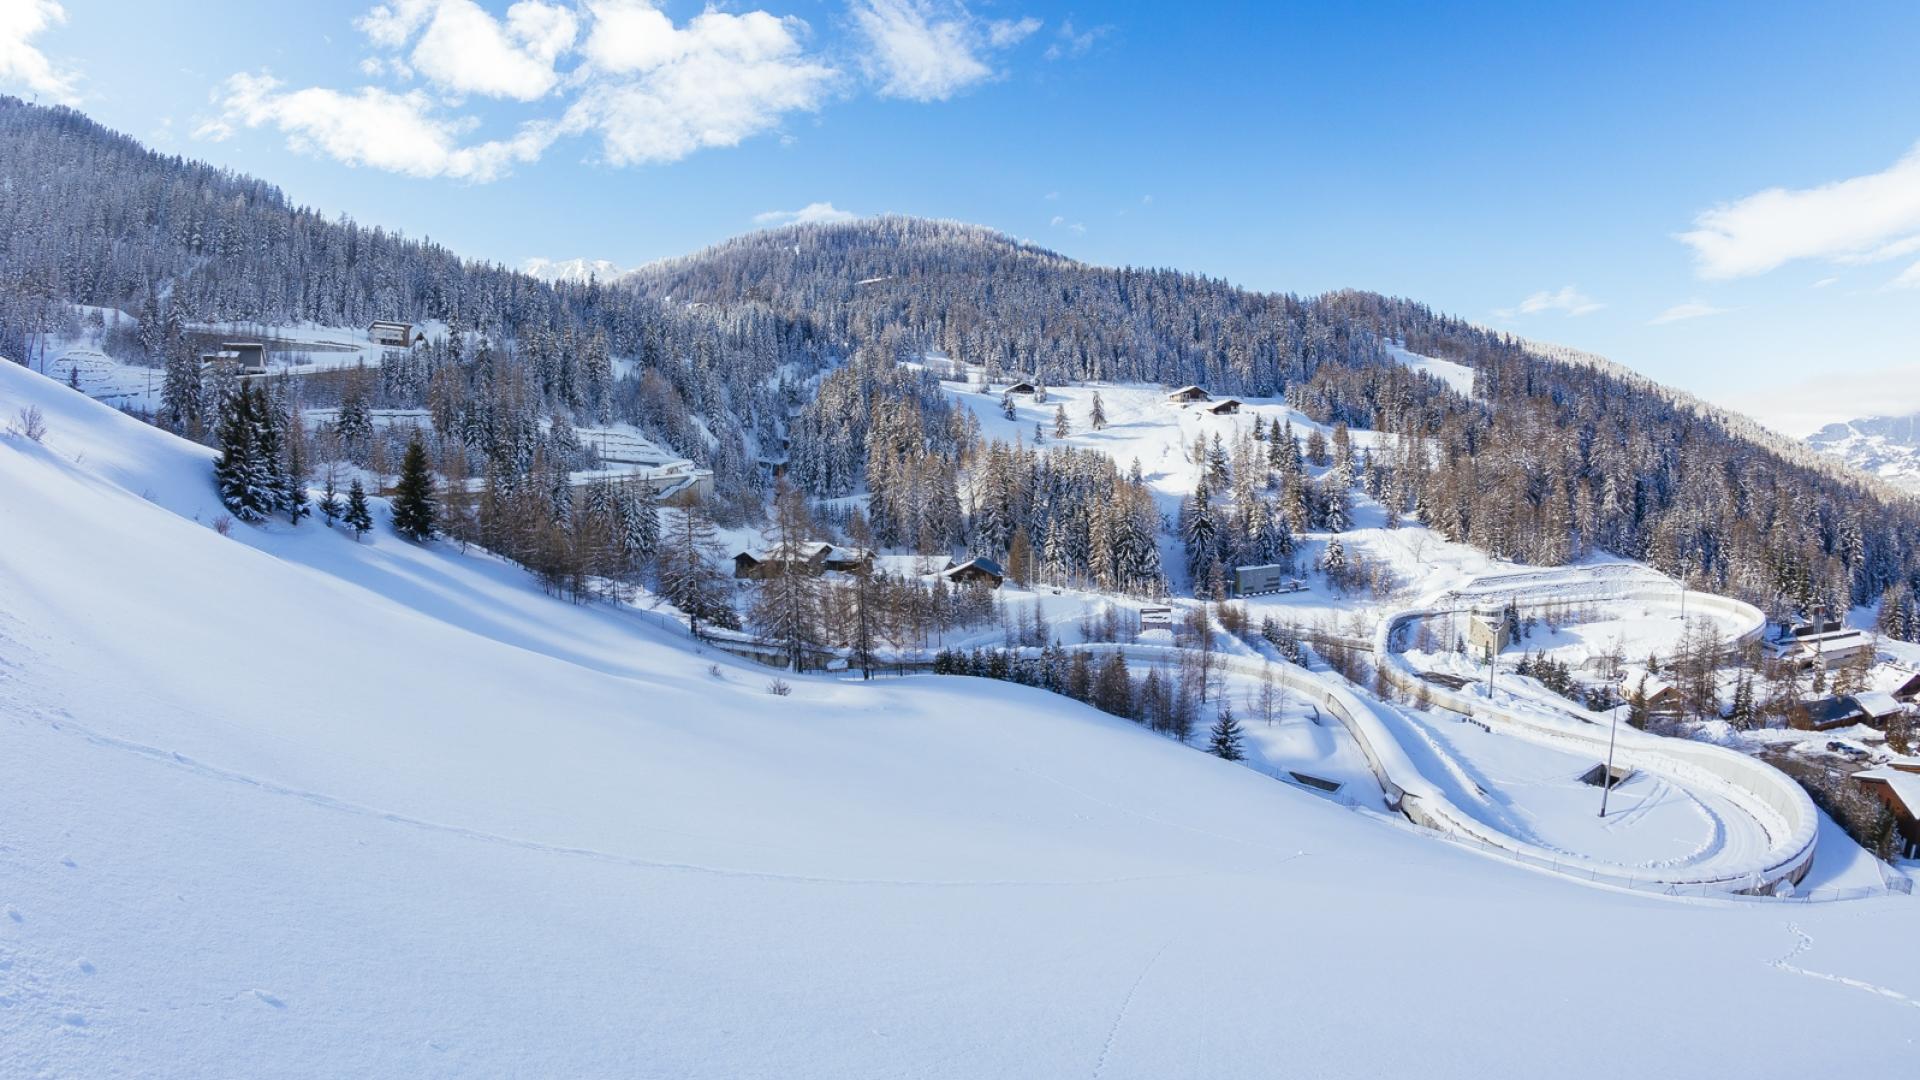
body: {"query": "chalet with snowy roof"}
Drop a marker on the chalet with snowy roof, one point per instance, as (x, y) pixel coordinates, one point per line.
(1907, 690)
(1825, 714)
(1898, 787)
(1188, 394)
(809, 558)
(1225, 407)
(1022, 387)
(812, 558)
(395, 335)
(1662, 697)
(849, 560)
(976, 571)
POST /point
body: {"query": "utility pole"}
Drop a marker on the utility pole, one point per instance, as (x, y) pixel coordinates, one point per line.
(1606, 778)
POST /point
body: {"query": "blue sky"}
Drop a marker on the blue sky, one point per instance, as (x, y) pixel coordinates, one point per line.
(1725, 197)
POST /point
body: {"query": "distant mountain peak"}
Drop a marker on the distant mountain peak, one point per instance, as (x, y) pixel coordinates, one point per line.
(1884, 446)
(581, 270)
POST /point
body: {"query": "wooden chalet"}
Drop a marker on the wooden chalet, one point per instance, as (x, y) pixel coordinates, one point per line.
(808, 558)
(976, 571)
(1022, 387)
(1188, 394)
(1225, 407)
(1908, 691)
(1898, 787)
(1825, 714)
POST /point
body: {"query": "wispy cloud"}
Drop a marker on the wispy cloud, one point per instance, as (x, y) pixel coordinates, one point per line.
(1908, 279)
(1568, 300)
(819, 213)
(1857, 220)
(1692, 309)
(21, 61)
(928, 50)
(1060, 222)
(1070, 43)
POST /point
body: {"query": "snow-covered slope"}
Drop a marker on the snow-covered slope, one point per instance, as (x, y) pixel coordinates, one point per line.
(283, 805)
(1885, 446)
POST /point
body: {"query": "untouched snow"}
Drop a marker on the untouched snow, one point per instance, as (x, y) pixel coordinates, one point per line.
(279, 804)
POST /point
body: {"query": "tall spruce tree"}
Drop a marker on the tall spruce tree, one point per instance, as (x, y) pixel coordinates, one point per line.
(415, 516)
(359, 517)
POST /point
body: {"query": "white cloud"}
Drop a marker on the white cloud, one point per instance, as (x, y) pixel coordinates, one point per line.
(819, 213)
(1071, 44)
(1004, 32)
(650, 89)
(1908, 279)
(1567, 299)
(1692, 309)
(374, 127)
(924, 50)
(20, 61)
(464, 50)
(1824, 282)
(1861, 219)
(657, 93)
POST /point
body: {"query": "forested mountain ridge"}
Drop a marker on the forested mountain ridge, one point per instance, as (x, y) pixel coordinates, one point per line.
(1556, 454)
(1546, 462)
(89, 216)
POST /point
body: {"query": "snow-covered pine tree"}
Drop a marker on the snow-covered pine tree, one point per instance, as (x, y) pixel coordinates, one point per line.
(329, 506)
(358, 517)
(1097, 414)
(245, 484)
(1062, 427)
(1225, 739)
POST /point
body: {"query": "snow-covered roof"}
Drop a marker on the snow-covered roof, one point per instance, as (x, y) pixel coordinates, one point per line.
(1878, 703)
(978, 563)
(806, 549)
(1905, 785)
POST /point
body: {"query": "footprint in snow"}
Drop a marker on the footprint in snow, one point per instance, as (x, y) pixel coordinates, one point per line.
(14, 914)
(73, 1019)
(85, 965)
(67, 860)
(269, 999)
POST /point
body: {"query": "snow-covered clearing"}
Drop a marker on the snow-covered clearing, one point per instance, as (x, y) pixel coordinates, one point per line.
(280, 803)
(1456, 375)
